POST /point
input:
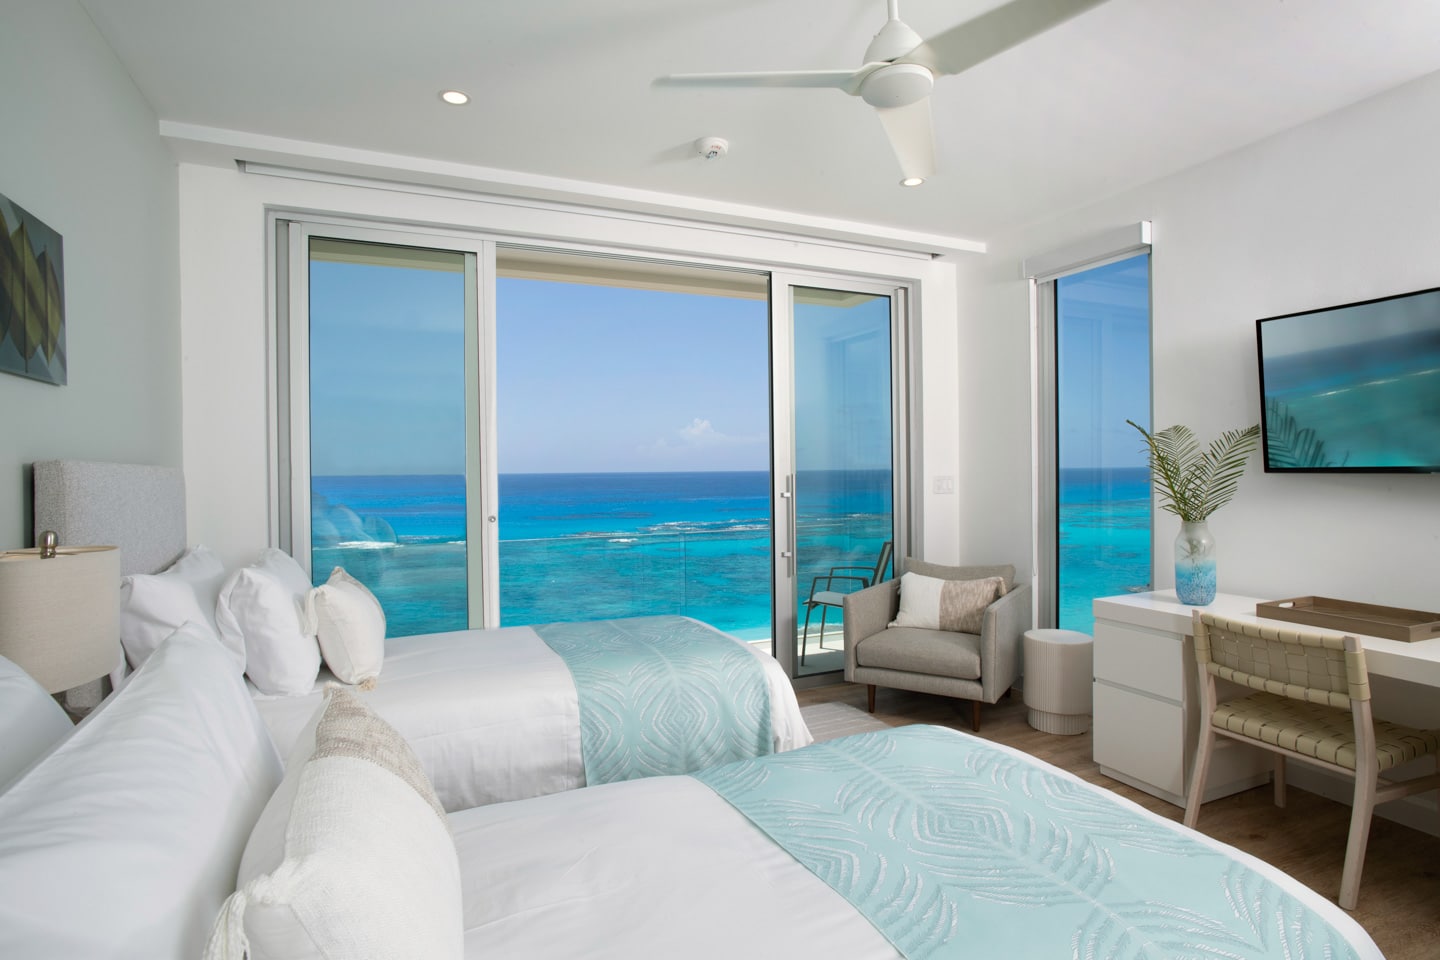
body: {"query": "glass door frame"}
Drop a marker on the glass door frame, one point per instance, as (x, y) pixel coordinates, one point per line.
(785, 627)
(291, 419)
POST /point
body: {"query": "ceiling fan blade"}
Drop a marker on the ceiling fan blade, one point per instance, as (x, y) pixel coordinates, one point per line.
(847, 80)
(974, 41)
(912, 136)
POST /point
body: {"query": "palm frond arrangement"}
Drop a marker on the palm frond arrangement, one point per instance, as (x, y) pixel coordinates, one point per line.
(1194, 483)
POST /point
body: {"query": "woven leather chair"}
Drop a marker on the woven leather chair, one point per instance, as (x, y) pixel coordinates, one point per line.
(1312, 704)
(979, 667)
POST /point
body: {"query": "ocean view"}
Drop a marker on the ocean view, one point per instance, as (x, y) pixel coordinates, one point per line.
(587, 546)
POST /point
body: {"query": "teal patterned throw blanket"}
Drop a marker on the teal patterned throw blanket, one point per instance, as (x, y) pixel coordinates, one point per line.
(662, 695)
(953, 847)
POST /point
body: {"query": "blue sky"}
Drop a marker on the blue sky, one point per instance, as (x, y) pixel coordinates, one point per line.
(591, 378)
(1103, 363)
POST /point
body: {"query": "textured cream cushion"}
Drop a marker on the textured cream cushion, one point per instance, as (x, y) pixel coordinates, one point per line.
(350, 625)
(125, 839)
(352, 856)
(31, 722)
(954, 605)
(153, 606)
(261, 610)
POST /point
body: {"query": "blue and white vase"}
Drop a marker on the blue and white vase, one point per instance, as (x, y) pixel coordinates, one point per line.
(1195, 564)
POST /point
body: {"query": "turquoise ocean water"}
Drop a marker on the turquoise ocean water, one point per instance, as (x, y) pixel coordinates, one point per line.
(587, 546)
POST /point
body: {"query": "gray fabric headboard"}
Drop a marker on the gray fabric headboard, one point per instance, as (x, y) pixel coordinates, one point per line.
(138, 508)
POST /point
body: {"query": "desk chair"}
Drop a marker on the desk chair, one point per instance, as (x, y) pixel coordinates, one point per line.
(858, 577)
(1312, 704)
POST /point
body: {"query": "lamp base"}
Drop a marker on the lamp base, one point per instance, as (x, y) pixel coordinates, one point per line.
(79, 701)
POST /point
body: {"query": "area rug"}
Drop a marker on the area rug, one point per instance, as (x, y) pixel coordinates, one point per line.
(830, 720)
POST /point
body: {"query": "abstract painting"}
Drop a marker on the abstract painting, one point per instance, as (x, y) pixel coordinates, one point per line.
(32, 296)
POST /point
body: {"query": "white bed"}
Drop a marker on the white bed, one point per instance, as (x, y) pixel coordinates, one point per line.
(493, 714)
(347, 854)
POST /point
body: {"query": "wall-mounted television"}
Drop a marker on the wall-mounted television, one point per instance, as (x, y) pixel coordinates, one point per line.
(1353, 388)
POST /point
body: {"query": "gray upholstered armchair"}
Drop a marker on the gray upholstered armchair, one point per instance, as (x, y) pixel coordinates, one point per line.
(977, 667)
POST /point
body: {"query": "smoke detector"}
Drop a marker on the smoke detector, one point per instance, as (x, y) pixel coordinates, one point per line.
(712, 148)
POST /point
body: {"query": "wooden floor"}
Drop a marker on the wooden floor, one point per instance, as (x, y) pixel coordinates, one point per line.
(1399, 890)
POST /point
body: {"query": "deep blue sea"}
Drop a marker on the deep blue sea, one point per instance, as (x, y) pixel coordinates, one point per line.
(585, 546)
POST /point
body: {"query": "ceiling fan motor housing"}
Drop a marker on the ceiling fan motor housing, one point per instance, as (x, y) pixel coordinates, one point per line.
(897, 85)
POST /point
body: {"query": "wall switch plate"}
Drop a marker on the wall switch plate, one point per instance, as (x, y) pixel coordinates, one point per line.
(944, 485)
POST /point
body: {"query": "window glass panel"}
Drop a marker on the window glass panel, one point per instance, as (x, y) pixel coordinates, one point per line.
(634, 452)
(387, 427)
(1102, 327)
(844, 444)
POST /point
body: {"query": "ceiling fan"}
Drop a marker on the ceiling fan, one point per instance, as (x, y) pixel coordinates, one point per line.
(900, 69)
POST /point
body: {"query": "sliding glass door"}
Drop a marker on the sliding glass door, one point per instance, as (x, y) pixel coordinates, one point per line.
(492, 435)
(381, 419)
(842, 484)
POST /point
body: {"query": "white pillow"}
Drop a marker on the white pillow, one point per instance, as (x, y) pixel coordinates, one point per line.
(31, 722)
(352, 857)
(126, 838)
(350, 625)
(261, 611)
(954, 605)
(153, 606)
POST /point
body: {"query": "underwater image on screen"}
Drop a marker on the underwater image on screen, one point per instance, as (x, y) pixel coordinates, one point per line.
(1355, 387)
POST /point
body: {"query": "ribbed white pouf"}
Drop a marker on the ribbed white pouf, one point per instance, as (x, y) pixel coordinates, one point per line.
(1059, 671)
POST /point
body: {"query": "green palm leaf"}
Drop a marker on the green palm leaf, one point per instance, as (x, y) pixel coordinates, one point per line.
(1193, 483)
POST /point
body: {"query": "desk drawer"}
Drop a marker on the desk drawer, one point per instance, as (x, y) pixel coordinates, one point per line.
(1140, 737)
(1141, 660)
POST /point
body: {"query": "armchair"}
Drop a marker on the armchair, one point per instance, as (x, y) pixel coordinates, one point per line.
(979, 667)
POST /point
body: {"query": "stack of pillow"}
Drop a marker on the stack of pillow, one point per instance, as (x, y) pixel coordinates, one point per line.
(275, 626)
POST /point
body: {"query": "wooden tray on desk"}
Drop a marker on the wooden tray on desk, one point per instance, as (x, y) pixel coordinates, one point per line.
(1393, 623)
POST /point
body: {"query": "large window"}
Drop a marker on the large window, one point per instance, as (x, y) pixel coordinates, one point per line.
(1102, 372)
(1092, 330)
(487, 434)
(634, 447)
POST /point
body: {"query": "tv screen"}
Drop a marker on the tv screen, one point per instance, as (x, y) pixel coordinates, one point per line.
(1354, 387)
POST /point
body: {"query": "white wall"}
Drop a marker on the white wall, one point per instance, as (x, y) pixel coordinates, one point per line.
(1340, 209)
(226, 324)
(80, 150)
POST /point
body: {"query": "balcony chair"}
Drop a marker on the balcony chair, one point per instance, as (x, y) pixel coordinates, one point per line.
(1311, 703)
(857, 578)
(980, 667)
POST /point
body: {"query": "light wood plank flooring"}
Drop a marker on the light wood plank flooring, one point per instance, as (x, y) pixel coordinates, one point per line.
(1399, 890)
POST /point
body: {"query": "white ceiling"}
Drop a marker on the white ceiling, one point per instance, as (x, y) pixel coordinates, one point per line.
(1122, 94)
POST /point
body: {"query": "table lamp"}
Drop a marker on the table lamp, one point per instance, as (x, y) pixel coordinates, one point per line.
(60, 612)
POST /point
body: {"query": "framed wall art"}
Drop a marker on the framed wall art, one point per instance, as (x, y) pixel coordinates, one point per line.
(32, 296)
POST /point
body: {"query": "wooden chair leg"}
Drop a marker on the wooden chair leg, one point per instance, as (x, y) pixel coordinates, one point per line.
(870, 697)
(1364, 806)
(1279, 777)
(1198, 775)
(975, 715)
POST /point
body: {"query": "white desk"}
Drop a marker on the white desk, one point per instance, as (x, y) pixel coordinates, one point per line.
(1146, 689)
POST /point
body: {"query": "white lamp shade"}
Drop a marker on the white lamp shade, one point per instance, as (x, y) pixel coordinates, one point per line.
(60, 617)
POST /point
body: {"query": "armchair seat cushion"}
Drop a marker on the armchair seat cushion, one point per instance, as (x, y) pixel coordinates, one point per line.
(938, 653)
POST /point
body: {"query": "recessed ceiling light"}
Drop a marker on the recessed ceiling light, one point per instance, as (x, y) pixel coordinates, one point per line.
(454, 96)
(912, 181)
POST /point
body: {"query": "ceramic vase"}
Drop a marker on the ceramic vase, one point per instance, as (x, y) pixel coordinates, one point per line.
(1195, 564)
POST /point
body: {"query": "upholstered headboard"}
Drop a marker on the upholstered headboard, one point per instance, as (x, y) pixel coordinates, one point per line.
(138, 508)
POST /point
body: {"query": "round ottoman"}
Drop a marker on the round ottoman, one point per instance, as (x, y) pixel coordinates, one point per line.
(1059, 671)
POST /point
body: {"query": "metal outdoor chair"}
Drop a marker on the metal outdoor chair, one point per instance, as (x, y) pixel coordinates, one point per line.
(853, 577)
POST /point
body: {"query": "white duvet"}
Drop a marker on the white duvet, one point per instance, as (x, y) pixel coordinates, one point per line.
(492, 714)
(664, 867)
